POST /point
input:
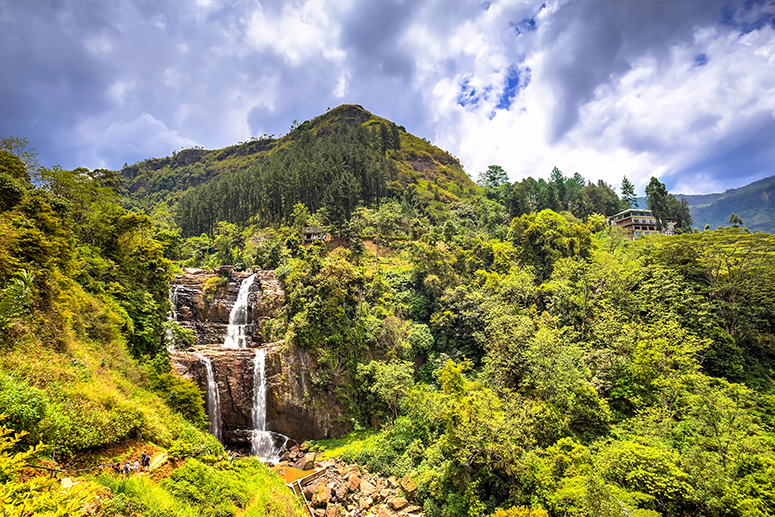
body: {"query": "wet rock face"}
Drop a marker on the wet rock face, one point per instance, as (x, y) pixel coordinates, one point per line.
(233, 372)
(207, 311)
(293, 407)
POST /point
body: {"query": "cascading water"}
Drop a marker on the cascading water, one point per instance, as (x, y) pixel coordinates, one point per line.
(172, 316)
(213, 398)
(238, 317)
(263, 443)
(174, 302)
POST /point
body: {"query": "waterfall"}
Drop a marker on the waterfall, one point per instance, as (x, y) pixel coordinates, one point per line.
(213, 398)
(263, 443)
(174, 302)
(238, 317)
(172, 316)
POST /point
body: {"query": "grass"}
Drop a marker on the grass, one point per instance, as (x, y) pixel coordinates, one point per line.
(351, 445)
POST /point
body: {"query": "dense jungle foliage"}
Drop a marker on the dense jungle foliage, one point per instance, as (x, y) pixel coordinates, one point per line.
(541, 360)
(84, 375)
(498, 343)
(561, 367)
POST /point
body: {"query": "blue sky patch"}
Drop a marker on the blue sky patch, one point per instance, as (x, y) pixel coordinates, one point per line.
(468, 95)
(729, 16)
(515, 81)
(526, 25)
(701, 60)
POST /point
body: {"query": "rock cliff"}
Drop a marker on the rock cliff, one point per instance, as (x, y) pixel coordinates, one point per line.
(203, 301)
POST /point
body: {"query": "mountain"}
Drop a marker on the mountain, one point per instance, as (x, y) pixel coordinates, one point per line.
(754, 203)
(371, 155)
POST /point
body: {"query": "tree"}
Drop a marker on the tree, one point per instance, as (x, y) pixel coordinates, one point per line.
(628, 192)
(493, 177)
(392, 381)
(735, 220)
(18, 146)
(495, 182)
(657, 202)
(300, 216)
(11, 164)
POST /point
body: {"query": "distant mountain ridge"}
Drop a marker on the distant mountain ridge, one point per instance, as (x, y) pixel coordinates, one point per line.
(754, 203)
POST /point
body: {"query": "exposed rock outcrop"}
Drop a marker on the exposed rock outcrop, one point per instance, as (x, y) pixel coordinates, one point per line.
(206, 309)
(293, 408)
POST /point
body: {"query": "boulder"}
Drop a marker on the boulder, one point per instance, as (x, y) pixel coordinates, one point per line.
(321, 497)
(309, 461)
(364, 503)
(409, 486)
(309, 490)
(341, 491)
(398, 503)
(353, 482)
(367, 488)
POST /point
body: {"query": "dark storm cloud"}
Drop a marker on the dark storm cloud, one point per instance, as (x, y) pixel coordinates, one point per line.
(737, 159)
(49, 80)
(594, 43)
(371, 35)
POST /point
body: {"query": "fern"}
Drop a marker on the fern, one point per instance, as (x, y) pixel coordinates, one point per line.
(15, 297)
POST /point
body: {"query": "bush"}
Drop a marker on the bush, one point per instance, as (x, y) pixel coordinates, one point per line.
(194, 443)
(24, 405)
(182, 395)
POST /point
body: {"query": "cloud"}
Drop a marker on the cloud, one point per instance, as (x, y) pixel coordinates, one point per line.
(143, 136)
(682, 90)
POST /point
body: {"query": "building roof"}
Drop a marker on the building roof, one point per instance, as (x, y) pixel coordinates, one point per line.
(646, 211)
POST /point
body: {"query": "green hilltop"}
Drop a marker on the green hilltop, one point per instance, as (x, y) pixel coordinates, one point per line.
(405, 158)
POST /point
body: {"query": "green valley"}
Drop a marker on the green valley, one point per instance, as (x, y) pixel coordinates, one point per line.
(483, 348)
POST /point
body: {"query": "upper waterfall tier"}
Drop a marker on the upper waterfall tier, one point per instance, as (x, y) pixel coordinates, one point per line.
(240, 316)
(208, 308)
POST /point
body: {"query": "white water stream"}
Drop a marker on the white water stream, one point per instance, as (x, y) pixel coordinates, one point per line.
(238, 317)
(263, 443)
(213, 398)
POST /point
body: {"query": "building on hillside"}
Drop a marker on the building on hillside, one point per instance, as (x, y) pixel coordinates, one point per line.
(638, 222)
(311, 234)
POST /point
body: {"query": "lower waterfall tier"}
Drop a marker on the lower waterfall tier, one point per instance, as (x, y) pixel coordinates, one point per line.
(293, 407)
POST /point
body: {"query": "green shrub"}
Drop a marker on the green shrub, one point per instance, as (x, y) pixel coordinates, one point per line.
(182, 395)
(195, 443)
(24, 405)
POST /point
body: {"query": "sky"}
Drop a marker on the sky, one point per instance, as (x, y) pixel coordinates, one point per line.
(683, 90)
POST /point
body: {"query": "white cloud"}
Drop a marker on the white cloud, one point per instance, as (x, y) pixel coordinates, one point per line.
(614, 88)
(120, 88)
(144, 135)
(296, 32)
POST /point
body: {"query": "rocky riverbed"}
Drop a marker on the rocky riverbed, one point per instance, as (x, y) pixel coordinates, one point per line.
(350, 490)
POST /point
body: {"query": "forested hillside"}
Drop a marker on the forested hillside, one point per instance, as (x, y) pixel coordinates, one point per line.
(84, 375)
(500, 345)
(753, 203)
(339, 159)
